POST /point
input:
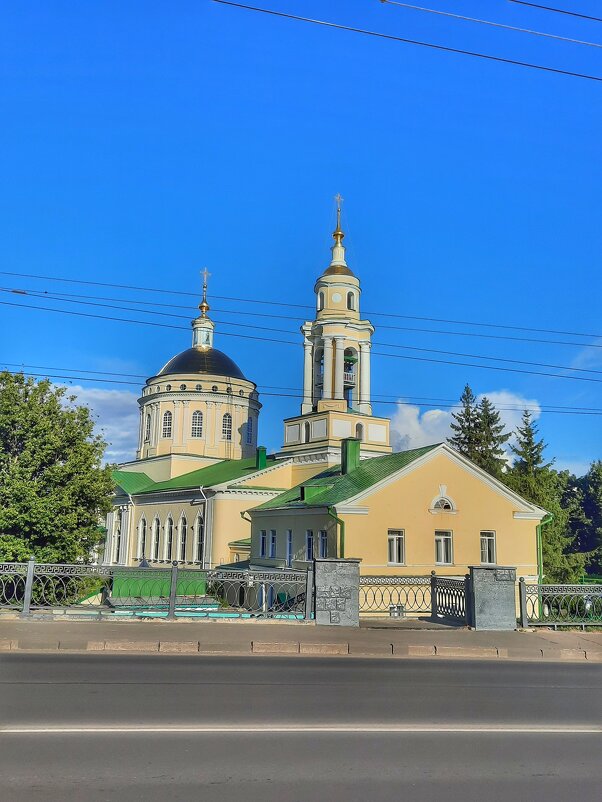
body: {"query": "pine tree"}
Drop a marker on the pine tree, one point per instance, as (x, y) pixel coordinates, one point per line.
(591, 486)
(466, 426)
(528, 449)
(491, 438)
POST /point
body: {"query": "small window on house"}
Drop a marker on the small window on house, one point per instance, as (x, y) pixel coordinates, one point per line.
(272, 543)
(289, 548)
(227, 427)
(169, 539)
(309, 544)
(142, 538)
(443, 547)
(443, 504)
(168, 387)
(488, 547)
(263, 543)
(167, 419)
(320, 301)
(197, 424)
(397, 547)
(241, 393)
(350, 301)
(156, 535)
(198, 388)
(183, 537)
(323, 544)
(182, 387)
(229, 390)
(214, 388)
(199, 549)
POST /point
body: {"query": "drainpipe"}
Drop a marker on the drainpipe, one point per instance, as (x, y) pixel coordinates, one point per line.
(545, 520)
(341, 523)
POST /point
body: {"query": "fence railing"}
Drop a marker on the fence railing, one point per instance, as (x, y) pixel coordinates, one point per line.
(120, 591)
(379, 594)
(450, 598)
(560, 605)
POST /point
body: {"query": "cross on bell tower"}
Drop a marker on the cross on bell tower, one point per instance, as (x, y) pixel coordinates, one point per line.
(202, 326)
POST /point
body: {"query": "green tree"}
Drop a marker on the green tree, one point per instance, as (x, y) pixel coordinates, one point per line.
(591, 487)
(534, 479)
(53, 488)
(465, 426)
(491, 438)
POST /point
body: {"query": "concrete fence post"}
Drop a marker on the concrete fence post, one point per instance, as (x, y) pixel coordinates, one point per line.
(337, 592)
(522, 599)
(468, 600)
(28, 588)
(493, 597)
(173, 589)
(433, 595)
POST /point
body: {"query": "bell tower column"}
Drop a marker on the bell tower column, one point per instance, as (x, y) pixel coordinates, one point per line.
(327, 376)
(365, 405)
(307, 376)
(338, 368)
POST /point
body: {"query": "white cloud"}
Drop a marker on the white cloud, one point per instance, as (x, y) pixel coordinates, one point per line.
(589, 358)
(411, 428)
(117, 416)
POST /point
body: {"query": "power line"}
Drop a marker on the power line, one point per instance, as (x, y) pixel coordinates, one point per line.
(289, 342)
(254, 301)
(490, 23)
(557, 10)
(298, 393)
(405, 40)
(287, 331)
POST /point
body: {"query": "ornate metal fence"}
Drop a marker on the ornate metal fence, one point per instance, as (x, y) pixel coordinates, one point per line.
(560, 605)
(450, 598)
(119, 591)
(384, 595)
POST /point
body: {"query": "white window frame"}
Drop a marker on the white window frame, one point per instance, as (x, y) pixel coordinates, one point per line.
(142, 537)
(196, 424)
(309, 544)
(397, 539)
(263, 542)
(156, 537)
(167, 425)
(272, 544)
(147, 428)
(168, 545)
(289, 548)
(199, 539)
(323, 544)
(442, 536)
(488, 536)
(227, 427)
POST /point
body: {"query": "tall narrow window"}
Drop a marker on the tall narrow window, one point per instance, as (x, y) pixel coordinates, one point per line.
(488, 547)
(306, 432)
(117, 538)
(167, 418)
(323, 541)
(443, 547)
(142, 538)
(155, 543)
(320, 301)
(227, 427)
(199, 553)
(249, 431)
(350, 301)
(183, 538)
(196, 429)
(147, 429)
(272, 543)
(263, 543)
(168, 539)
(289, 548)
(397, 551)
(309, 544)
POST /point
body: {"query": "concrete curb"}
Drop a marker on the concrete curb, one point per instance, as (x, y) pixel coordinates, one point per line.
(288, 648)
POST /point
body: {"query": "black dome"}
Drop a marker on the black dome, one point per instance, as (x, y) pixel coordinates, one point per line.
(197, 360)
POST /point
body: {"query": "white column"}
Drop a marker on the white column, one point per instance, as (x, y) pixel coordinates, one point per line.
(327, 377)
(141, 434)
(156, 424)
(177, 423)
(365, 378)
(338, 368)
(185, 428)
(108, 551)
(217, 419)
(306, 406)
(126, 521)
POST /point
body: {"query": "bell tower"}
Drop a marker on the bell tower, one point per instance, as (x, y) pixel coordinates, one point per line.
(336, 366)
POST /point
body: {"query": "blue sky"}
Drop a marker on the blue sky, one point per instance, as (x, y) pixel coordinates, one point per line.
(142, 141)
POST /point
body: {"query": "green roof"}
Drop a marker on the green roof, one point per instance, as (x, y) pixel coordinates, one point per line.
(338, 488)
(245, 541)
(229, 470)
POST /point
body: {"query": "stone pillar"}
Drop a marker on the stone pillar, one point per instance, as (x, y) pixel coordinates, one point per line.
(177, 423)
(156, 424)
(306, 406)
(364, 379)
(337, 589)
(327, 377)
(492, 598)
(185, 429)
(339, 367)
(140, 434)
(126, 521)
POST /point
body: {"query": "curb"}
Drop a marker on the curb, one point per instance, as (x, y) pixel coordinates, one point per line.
(288, 648)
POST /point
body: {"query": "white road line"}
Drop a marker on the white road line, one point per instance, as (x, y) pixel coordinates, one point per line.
(268, 729)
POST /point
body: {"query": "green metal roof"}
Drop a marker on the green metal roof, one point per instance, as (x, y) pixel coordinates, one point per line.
(338, 488)
(245, 541)
(229, 470)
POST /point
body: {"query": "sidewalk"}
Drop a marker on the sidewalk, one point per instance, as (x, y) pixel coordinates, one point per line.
(243, 638)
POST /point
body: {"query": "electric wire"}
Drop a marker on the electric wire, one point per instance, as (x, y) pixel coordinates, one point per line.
(405, 40)
(489, 22)
(557, 10)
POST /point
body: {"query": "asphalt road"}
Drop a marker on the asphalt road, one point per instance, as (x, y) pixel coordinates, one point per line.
(81, 727)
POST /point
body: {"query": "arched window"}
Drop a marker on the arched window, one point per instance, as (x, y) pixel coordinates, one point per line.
(142, 538)
(183, 538)
(199, 546)
(197, 424)
(167, 418)
(306, 432)
(227, 427)
(155, 543)
(168, 539)
(359, 431)
(320, 301)
(250, 431)
(443, 504)
(351, 301)
(147, 429)
(117, 538)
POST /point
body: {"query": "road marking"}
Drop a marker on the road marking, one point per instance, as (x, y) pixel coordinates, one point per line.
(269, 729)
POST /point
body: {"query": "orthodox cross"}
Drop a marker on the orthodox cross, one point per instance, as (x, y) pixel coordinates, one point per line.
(205, 274)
